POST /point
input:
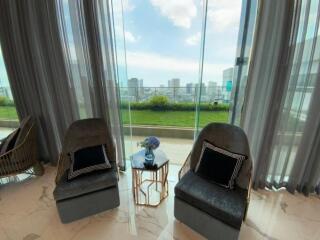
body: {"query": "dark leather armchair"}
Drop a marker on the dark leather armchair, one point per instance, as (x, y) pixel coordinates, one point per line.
(94, 192)
(214, 211)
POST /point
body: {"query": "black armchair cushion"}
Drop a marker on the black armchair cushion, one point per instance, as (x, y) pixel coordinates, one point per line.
(218, 165)
(87, 160)
(87, 183)
(221, 203)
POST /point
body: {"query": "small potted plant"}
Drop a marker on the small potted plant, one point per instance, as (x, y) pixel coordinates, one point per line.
(150, 143)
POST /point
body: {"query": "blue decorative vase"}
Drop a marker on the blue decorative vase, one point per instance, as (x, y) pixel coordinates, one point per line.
(149, 157)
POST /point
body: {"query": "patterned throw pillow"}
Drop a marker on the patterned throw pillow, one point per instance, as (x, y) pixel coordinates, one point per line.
(218, 165)
(87, 160)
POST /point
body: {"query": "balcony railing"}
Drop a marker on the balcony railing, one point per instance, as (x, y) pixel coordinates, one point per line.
(177, 94)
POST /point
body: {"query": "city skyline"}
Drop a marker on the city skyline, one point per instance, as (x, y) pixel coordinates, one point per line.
(227, 78)
(177, 92)
(166, 47)
(161, 85)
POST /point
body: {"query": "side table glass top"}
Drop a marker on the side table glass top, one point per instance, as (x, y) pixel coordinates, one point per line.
(137, 159)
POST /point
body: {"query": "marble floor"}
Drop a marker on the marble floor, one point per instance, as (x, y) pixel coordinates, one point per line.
(28, 212)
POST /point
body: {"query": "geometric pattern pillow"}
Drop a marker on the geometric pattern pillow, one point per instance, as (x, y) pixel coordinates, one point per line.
(219, 165)
(87, 160)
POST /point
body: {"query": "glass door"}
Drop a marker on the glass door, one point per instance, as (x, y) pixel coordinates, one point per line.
(122, 85)
(164, 92)
(245, 39)
(226, 44)
(8, 114)
(162, 42)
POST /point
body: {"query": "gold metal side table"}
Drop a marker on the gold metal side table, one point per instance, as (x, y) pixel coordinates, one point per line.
(149, 186)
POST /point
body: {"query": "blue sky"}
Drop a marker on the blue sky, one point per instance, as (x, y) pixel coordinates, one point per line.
(163, 39)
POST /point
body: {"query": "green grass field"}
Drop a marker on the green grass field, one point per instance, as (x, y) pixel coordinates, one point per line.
(8, 113)
(148, 117)
(173, 118)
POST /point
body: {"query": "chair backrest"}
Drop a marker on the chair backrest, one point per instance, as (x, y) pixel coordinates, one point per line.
(25, 126)
(87, 133)
(229, 137)
(81, 134)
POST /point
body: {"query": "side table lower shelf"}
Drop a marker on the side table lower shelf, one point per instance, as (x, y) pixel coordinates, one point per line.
(146, 188)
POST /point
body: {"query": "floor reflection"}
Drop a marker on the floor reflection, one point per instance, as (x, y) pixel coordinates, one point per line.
(28, 211)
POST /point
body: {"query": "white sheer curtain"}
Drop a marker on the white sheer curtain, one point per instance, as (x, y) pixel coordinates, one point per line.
(281, 111)
(88, 38)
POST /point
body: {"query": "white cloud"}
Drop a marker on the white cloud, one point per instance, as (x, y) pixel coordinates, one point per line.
(224, 14)
(127, 5)
(194, 39)
(130, 37)
(181, 66)
(180, 12)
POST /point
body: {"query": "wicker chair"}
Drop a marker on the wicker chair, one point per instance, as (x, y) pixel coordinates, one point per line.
(23, 157)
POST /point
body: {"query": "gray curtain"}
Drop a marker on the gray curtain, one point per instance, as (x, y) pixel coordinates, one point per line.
(32, 53)
(280, 112)
(305, 175)
(61, 65)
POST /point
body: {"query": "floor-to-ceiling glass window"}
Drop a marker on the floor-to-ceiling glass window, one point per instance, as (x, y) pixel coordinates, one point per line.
(163, 40)
(8, 114)
(227, 38)
(242, 60)
(120, 45)
(184, 59)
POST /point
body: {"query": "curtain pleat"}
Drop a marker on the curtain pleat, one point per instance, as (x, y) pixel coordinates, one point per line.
(306, 169)
(264, 90)
(32, 53)
(281, 112)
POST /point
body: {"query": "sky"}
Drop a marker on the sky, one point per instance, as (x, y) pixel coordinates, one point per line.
(163, 39)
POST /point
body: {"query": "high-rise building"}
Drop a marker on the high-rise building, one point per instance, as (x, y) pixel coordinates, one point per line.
(141, 88)
(174, 85)
(189, 88)
(227, 82)
(203, 88)
(212, 90)
(133, 88)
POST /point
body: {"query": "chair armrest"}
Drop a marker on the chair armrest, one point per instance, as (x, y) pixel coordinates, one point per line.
(185, 167)
(248, 200)
(63, 165)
